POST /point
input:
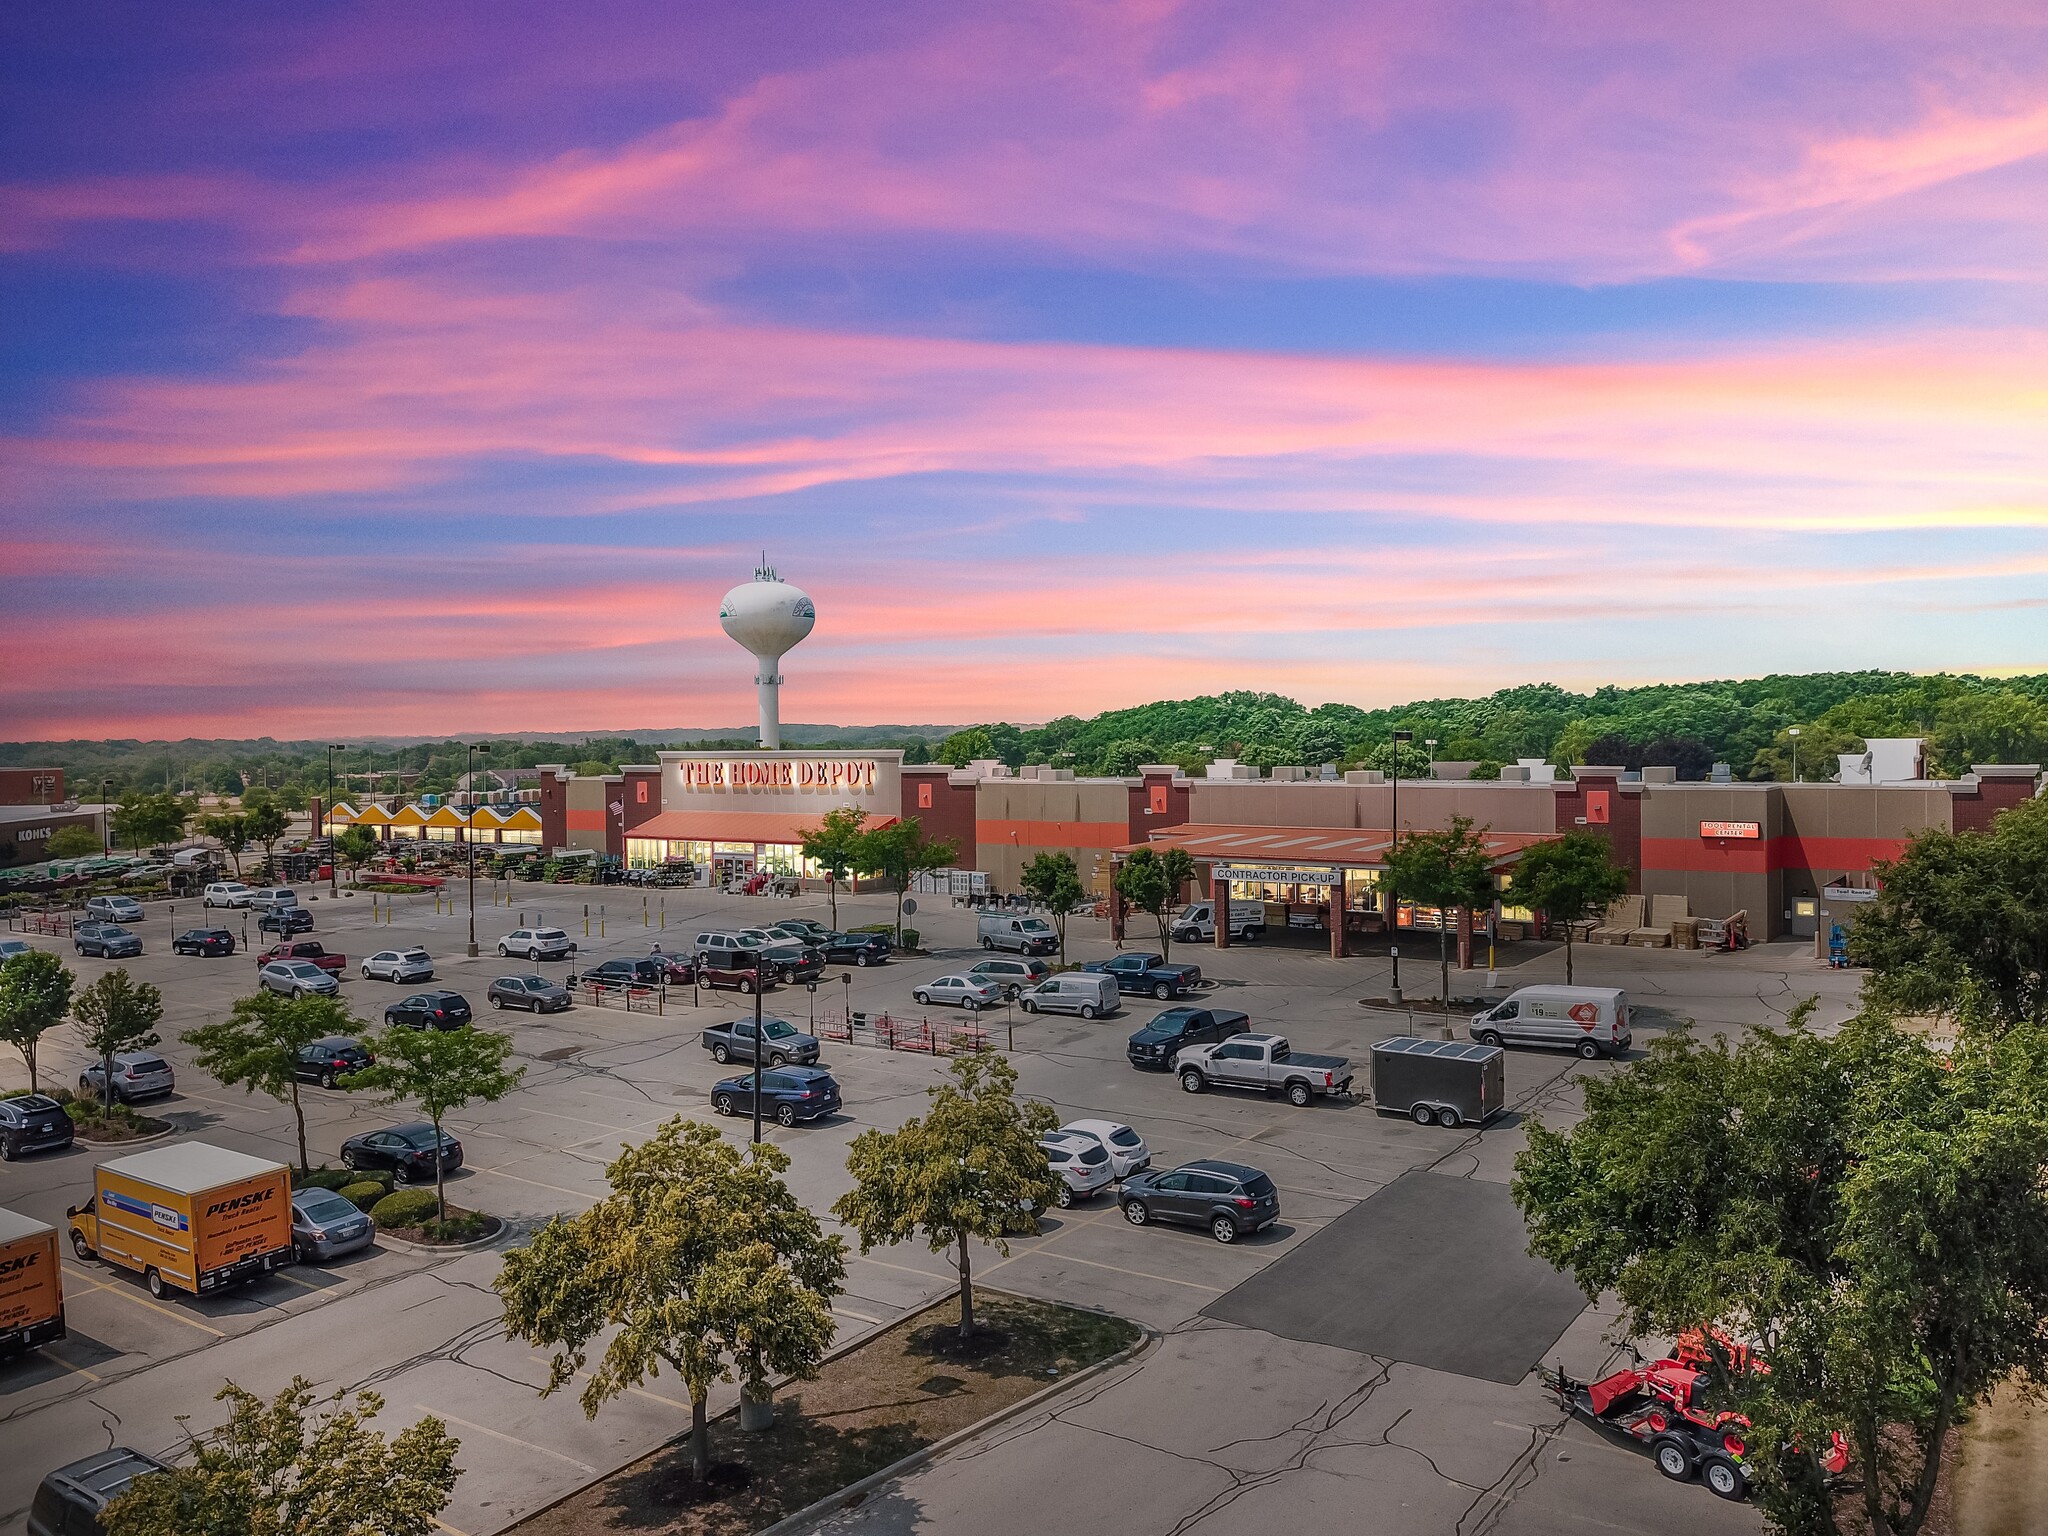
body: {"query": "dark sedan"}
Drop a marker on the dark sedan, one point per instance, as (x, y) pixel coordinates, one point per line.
(1229, 1199)
(855, 948)
(286, 921)
(406, 1151)
(328, 1061)
(429, 1010)
(32, 1123)
(109, 941)
(788, 1094)
(204, 941)
(536, 994)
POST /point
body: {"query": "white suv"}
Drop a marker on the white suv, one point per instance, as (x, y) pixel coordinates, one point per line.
(228, 893)
(537, 943)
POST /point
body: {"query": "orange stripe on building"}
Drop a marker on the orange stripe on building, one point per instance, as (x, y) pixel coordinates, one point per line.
(1053, 834)
(586, 821)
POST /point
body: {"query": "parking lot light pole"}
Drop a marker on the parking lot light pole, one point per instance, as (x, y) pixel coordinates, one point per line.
(106, 822)
(469, 837)
(333, 853)
(1401, 739)
(759, 956)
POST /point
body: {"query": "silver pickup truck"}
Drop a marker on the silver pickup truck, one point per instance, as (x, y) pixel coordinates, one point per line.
(1264, 1062)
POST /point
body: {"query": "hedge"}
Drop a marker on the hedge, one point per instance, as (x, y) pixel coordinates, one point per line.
(405, 1208)
(366, 1195)
(340, 1179)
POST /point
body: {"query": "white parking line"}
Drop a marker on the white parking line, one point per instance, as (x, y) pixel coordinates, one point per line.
(498, 1434)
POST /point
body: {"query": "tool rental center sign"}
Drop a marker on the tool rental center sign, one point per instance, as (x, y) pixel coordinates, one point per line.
(826, 775)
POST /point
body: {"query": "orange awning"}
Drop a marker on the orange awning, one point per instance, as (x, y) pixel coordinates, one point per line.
(1307, 847)
(734, 826)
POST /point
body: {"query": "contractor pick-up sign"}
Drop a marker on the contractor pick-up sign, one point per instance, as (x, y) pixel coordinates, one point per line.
(826, 773)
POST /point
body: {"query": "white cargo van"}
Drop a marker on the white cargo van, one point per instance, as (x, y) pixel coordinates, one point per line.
(1593, 1021)
(1197, 922)
(1088, 993)
(1026, 935)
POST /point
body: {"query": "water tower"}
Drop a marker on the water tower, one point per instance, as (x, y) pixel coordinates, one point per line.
(768, 616)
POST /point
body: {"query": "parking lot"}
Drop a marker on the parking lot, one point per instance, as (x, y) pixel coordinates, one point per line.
(1364, 1372)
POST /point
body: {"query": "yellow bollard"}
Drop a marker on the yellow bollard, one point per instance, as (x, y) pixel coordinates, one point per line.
(600, 922)
(643, 911)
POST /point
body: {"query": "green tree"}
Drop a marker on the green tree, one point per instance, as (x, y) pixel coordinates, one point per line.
(116, 1013)
(280, 1467)
(1151, 880)
(1126, 757)
(1053, 881)
(256, 1047)
(356, 846)
(970, 1168)
(77, 841)
(835, 844)
(700, 1258)
(35, 994)
(1447, 868)
(899, 853)
(150, 820)
(231, 830)
(440, 1070)
(1871, 1211)
(964, 747)
(1963, 912)
(266, 824)
(1567, 881)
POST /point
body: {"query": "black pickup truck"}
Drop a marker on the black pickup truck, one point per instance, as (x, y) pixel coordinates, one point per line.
(1149, 974)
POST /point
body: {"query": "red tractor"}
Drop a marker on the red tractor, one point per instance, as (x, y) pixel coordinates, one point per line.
(1654, 1404)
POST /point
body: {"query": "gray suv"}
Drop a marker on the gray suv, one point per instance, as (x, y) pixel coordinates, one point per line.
(1230, 1199)
(72, 1498)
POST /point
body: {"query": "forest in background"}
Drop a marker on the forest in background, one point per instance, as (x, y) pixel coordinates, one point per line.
(1689, 726)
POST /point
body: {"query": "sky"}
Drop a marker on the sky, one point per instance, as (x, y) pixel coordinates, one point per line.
(385, 368)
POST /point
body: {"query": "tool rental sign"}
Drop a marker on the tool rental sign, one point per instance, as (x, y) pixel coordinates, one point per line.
(820, 775)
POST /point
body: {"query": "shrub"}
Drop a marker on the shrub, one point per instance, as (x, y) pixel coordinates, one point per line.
(460, 1227)
(366, 1195)
(326, 1178)
(405, 1208)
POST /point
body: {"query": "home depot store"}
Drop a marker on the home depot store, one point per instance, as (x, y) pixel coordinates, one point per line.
(1772, 850)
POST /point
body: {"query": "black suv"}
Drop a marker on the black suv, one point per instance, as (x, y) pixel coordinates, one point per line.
(623, 972)
(327, 1061)
(71, 1499)
(204, 941)
(860, 948)
(1151, 1048)
(286, 921)
(429, 1010)
(32, 1123)
(1229, 1199)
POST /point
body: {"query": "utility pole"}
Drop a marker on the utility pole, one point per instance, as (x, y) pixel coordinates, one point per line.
(327, 814)
(469, 838)
(1401, 739)
(759, 955)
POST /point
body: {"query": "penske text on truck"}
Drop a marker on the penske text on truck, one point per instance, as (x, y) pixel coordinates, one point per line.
(31, 1285)
(190, 1217)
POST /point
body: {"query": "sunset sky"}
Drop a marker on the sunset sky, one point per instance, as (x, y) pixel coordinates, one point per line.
(409, 369)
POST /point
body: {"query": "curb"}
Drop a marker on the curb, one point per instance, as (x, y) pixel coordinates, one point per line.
(127, 1141)
(475, 1245)
(854, 1493)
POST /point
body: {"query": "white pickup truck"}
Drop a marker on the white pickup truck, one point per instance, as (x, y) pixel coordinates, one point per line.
(1264, 1062)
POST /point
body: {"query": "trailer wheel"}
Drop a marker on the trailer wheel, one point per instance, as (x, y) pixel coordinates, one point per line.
(1673, 1461)
(1448, 1118)
(1723, 1478)
(155, 1282)
(79, 1245)
(1423, 1114)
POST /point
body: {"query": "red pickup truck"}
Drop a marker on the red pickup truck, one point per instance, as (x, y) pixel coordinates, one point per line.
(309, 950)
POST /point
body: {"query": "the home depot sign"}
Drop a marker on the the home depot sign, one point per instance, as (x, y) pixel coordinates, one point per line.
(855, 775)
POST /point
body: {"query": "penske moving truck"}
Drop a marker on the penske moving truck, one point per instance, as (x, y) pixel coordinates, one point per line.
(190, 1217)
(31, 1284)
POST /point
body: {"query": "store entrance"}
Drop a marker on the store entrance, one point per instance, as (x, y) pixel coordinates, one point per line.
(728, 867)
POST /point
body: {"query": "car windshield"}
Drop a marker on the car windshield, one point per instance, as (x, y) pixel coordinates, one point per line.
(1124, 1136)
(148, 1064)
(775, 1029)
(35, 1104)
(1258, 1186)
(418, 1136)
(415, 955)
(327, 1207)
(1034, 925)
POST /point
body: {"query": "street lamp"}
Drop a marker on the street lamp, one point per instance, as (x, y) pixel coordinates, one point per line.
(1401, 739)
(333, 853)
(106, 826)
(1794, 734)
(1430, 742)
(469, 837)
(759, 956)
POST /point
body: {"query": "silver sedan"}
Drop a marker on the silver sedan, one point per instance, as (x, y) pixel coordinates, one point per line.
(325, 1226)
(967, 992)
